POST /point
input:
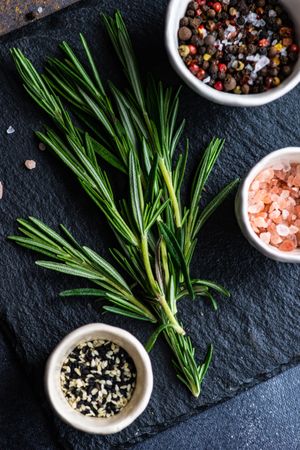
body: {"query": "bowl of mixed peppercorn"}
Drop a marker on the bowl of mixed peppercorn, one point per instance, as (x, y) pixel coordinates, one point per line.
(99, 379)
(235, 52)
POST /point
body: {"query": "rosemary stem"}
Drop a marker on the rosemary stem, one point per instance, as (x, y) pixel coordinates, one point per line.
(170, 316)
(168, 180)
(164, 258)
(147, 264)
(161, 298)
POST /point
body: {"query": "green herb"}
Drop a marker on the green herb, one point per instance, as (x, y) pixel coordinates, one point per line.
(136, 132)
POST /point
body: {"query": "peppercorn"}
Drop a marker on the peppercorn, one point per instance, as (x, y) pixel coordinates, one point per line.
(201, 74)
(229, 83)
(192, 49)
(276, 81)
(205, 65)
(193, 5)
(190, 13)
(184, 22)
(245, 89)
(196, 41)
(194, 68)
(211, 13)
(294, 48)
(183, 50)
(211, 50)
(232, 12)
(211, 26)
(287, 70)
(217, 7)
(184, 33)
(218, 86)
(210, 39)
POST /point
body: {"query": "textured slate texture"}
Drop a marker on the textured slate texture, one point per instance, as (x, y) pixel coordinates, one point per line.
(255, 334)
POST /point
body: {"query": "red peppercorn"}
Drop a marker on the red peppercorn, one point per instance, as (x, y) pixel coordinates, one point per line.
(218, 85)
(201, 74)
(201, 2)
(217, 7)
(194, 68)
(263, 43)
(294, 48)
(222, 67)
(198, 12)
(193, 49)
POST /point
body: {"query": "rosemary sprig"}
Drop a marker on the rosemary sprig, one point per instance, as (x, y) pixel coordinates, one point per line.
(136, 132)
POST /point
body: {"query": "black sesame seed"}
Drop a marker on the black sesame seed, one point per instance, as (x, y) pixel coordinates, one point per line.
(98, 378)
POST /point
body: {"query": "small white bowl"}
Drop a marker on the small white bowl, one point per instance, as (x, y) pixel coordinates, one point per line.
(284, 155)
(175, 12)
(141, 393)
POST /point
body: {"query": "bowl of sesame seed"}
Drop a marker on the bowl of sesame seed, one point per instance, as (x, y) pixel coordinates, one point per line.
(99, 379)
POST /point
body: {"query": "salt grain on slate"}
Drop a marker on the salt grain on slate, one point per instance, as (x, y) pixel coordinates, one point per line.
(10, 130)
(98, 378)
(30, 164)
(1, 190)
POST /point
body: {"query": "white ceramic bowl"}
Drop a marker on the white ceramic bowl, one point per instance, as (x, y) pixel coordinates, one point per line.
(175, 12)
(141, 393)
(285, 155)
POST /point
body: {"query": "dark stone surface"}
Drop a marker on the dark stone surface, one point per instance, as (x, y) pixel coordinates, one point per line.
(255, 333)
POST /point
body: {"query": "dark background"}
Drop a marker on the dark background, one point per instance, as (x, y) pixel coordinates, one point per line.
(255, 333)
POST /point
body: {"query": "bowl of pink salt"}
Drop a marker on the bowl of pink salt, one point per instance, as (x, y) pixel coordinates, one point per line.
(268, 205)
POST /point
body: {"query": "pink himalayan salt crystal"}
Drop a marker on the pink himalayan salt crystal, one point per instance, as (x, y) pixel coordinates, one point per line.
(287, 246)
(265, 237)
(293, 229)
(256, 207)
(260, 222)
(30, 164)
(265, 175)
(274, 205)
(282, 230)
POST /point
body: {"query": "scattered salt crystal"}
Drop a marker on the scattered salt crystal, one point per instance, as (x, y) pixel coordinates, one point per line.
(10, 130)
(249, 67)
(1, 190)
(277, 166)
(283, 52)
(261, 63)
(40, 10)
(206, 80)
(282, 230)
(226, 2)
(272, 13)
(274, 42)
(30, 164)
(253, 57)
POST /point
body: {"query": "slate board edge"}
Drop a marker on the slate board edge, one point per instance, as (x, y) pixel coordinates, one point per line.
(16, 346)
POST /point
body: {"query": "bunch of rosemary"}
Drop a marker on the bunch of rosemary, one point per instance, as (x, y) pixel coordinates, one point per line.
(135, 132)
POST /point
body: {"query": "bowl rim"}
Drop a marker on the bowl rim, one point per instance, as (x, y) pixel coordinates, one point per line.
(266, 249)
(74, 418)
(223, 98)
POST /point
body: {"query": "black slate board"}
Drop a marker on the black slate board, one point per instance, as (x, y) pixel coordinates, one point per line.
(255, 333)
